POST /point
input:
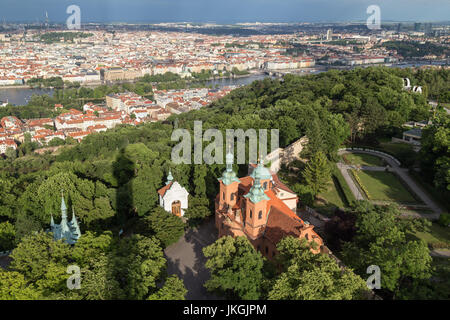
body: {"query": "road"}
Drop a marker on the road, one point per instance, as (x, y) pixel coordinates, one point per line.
(185, 259)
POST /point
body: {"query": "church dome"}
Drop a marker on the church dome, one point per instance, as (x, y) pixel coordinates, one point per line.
(262, 172)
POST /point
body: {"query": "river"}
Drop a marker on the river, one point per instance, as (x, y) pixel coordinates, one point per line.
(20, 96)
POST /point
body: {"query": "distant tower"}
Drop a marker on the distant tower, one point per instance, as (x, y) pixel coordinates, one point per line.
(428, 28)
(329, 35)
(417, 26)
(46, 20)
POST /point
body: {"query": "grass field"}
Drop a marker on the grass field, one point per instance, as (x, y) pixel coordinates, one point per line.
(436, 234)
(385, 186)
(332, 196)
(363, 159)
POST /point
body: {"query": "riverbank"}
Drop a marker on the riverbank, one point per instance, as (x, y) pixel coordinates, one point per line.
(100, 83)
(20, 95)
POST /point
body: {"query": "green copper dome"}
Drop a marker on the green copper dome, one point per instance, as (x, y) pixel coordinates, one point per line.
(256, 193)
(262, 171)
(229, 176)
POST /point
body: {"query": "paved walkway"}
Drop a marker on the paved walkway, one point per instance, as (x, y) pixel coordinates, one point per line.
(351, 184)
(401, 172)
(185, 259)
(440, 253)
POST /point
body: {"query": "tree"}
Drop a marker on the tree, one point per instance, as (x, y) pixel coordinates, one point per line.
(13, 286)
(305, 193)
(165, 226)
(200, 172)
(7, 236)
(317, 173)
(173, 289)
(7, 197)
(198, 209)
(381, 240)
(144, 265)
(43, 262)
(11, 153)
(235, 266)
(309, 276)
(34, 253)
(99, 279)
(89, 200)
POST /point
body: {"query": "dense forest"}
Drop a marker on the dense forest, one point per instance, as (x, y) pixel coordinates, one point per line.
(111, 179)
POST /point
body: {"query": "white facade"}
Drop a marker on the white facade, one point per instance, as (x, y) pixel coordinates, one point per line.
(174, 193)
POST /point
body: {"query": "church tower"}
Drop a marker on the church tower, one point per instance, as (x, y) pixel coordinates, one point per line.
(229, 184)
(256, 206)
(264, 174)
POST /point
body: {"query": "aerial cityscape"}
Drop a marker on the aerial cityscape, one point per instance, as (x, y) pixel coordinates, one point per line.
(257, 154)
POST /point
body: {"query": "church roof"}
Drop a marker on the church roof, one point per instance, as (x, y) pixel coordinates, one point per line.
(282, 221)
(67, 230)
(163, 190)
(280, 185)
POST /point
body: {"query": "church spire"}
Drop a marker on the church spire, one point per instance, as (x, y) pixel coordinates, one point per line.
(229, 159)
(76, 233)
(63, 206)
(229, 176)
(64, 225)
(169, 178)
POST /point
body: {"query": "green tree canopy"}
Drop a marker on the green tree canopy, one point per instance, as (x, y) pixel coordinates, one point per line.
(235, 266)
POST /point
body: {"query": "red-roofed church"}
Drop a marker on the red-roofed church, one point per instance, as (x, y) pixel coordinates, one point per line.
(261, 208)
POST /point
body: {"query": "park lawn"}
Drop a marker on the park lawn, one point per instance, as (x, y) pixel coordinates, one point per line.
(385, 186)
(363, 159)
(332, 196)
(333, 199)
(436, 234)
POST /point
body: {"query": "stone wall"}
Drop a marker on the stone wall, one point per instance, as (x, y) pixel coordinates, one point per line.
(286, 155)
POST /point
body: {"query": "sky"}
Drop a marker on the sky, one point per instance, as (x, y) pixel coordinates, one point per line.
(225, 11)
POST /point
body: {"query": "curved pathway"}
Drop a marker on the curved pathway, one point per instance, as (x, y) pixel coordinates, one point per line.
(401, 172)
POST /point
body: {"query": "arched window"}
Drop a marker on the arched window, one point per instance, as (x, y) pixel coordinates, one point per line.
(250, 213)
(223, 195)
(267, 250)
(265, 185)
(260, 214)
(306, 236)
(232, 196)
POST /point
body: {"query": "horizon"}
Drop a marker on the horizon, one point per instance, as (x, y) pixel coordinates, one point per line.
(232, 12)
